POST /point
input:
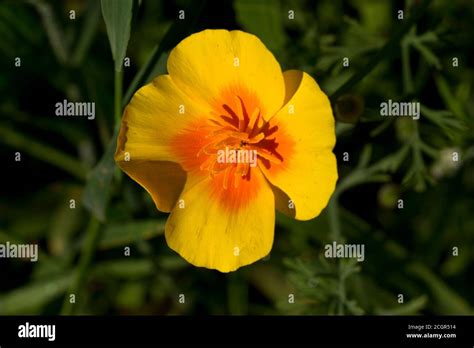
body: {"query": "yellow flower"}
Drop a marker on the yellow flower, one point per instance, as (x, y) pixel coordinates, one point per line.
(222, 140)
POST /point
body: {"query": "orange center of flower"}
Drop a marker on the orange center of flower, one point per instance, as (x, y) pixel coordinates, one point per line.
(239, 138)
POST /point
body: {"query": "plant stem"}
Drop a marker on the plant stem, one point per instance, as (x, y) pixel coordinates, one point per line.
(237, 294)
(88, 251)
(118, 115)
(118, 96)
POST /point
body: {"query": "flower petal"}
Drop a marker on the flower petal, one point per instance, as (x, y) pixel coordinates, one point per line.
(156, 113)
(306, 133)
(163, 180)
(211, 61)
(223, 229)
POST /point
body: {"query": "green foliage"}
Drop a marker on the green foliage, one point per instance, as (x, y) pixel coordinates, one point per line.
(97, 189)
(118, 17)
(446, 301)
(31, 298)
(322, 287)
(125, 234)
(264, 19)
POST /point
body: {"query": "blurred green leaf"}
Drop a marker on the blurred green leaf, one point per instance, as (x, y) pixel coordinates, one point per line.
(118, 17)
(374, 14)
(27, 299)
(49, 267)
(53, 30)
(88, 32)
(429, 56)
(131, 296)
(445, 120)
(123, 269)
(18, 28)
(409, 308)
(64, 222)
(375, 173)
(449, 99)
(96, 192)
(42, 151)
(73, 135)
(446, 300)
(81, 271)
(270, 281)
(264, 19)
(123, 234)
(237, 295)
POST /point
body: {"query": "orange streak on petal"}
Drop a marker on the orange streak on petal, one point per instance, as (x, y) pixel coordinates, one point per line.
(189, 144)
(280, 143)
(240, 191)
